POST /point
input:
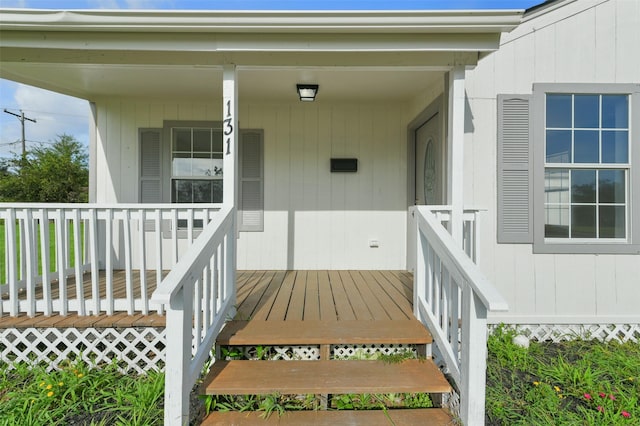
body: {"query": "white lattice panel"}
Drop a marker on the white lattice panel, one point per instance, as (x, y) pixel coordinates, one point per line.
(451, 401)
(133, 349)
(368, 351)
(564, 332)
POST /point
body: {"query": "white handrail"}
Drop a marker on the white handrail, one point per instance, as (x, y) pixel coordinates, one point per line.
(89, 239)
(199, 295)
(452, 298)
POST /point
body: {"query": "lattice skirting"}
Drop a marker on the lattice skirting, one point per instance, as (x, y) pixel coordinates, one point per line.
(133, 349)
(564, 332)
(313, 352)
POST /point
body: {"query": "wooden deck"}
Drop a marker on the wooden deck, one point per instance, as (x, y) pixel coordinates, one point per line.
(264, 296)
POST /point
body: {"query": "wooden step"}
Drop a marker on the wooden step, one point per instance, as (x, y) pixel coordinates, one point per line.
(429, 416)
(249, 333)
(323, 377)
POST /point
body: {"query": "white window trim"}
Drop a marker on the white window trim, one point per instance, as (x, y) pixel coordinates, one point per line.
(630, 245)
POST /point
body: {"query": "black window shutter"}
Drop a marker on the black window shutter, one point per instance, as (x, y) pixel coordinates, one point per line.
(515, 171)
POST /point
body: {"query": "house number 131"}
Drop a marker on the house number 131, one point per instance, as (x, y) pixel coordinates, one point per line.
(228, 127)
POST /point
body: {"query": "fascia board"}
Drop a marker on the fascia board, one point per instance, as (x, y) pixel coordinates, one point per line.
(380, 21)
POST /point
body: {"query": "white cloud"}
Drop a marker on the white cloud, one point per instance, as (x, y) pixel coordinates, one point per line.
(55, 114)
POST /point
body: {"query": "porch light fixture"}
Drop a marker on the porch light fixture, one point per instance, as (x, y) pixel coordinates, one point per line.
(307, 92)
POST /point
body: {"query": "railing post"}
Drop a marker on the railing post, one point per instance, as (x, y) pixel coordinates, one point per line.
(474, 358)
(420, 275)
(179, 317)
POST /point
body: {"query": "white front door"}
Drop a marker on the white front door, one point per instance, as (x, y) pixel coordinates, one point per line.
(429, 167)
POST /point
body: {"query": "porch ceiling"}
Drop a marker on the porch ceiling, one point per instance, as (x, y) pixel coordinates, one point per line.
(179, 54)
(181, 82)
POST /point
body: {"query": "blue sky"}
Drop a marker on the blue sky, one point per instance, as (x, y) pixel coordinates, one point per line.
(57, 114)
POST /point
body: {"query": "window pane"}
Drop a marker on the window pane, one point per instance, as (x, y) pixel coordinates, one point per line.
(558, 146)
(615, 112)
(583, 221)
(202, 140)
(181, 191)
(559, 111)
(181, 165)
(583, 186)
(615, 146)
(586, 146)
(612, 222)
(217, 141)
(217, 164)
(556, 222)
(611, 186)
(202, 165)
(587, 111)
(202, 191)
(217, 190)
(182, 140)
(556, 186)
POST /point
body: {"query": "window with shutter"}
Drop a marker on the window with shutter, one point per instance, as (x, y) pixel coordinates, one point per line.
(251, 181)
(567, 168)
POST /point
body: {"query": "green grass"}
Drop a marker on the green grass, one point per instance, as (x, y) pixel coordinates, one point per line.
(79, 395)
(52, 248)
(570, 383)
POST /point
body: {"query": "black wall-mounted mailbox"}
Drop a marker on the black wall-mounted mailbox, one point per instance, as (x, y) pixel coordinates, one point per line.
(348, 165)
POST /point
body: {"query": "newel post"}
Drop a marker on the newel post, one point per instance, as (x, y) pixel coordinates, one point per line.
(179, 338)
(474, 358)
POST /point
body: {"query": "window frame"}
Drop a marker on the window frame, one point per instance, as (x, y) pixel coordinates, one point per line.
(542, 244)
(212, 127)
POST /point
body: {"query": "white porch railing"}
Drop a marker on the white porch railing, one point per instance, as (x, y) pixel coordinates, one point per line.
(452, 298)
(199, 295)
(46, 245)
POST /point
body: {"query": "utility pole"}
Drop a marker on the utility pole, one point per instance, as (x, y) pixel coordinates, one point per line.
(21, 117)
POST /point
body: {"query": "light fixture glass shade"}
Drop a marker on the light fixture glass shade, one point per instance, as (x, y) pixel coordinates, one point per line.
(307, 92)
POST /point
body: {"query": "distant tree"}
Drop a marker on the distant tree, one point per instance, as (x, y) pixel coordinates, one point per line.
(47, 174)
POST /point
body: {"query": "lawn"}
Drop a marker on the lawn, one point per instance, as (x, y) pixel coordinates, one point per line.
(570, 383)
(52, 248)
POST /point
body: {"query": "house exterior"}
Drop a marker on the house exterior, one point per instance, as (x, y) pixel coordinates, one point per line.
(515, 129)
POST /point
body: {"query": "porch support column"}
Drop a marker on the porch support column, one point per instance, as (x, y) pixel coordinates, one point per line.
(230, 171)
(455, 151)
(230, 131)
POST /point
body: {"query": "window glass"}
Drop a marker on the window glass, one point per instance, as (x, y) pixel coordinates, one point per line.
(558, 111)
(611, 186)
(583, 186)
(615, 111)
(592, 201)
(196, 165)
(586, 146)
(615, 146)
(583, 222)
(558, 146)
(182, 140)
(587, 111)
(612, 222)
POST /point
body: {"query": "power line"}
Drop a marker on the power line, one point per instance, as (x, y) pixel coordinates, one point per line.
(22, 118)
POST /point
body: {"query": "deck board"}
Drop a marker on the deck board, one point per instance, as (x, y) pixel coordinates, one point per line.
(431, 416)
(264, 296)
(323, 377)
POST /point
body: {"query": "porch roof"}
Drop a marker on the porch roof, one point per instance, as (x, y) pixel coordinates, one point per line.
(95, 53)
